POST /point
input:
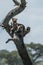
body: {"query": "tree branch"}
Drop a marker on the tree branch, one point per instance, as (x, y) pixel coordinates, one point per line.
(16, 2)
(12, 13)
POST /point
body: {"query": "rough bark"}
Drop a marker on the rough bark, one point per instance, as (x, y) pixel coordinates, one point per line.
(21, 48)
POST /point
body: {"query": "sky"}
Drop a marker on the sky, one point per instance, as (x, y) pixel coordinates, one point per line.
(32, 16)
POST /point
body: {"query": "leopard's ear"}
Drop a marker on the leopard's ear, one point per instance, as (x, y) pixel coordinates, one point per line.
(14, 20)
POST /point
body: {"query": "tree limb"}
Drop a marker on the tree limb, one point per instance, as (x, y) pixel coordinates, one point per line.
(16, 2)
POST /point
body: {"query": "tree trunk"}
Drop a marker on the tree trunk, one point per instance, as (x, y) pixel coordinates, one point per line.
(21, 48)
(23, 52)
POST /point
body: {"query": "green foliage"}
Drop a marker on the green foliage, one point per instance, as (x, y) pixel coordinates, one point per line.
(36, 52)
(12, 58)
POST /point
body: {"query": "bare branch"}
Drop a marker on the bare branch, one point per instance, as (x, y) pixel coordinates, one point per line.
(12, 13)
(16, 2)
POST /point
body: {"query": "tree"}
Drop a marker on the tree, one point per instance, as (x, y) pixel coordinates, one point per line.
(36, 52)
(21, 48)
